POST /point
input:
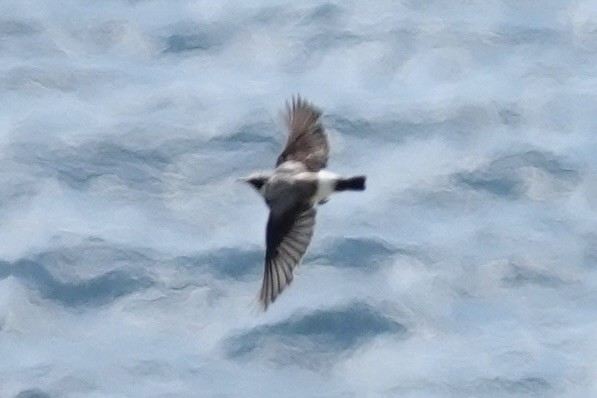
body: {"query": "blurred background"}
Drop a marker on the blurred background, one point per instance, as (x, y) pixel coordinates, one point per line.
(131, 259)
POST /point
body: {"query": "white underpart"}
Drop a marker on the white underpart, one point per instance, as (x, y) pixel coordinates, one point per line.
(326, 183)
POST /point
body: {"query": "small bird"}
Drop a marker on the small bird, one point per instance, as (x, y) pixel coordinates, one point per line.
(292, 191)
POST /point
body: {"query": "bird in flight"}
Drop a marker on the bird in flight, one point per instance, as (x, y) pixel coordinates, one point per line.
(291, 191)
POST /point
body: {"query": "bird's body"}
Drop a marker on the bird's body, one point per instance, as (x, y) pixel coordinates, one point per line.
(291, 180)
(292, 191)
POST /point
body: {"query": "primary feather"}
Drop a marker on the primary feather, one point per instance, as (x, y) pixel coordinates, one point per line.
(307, 141)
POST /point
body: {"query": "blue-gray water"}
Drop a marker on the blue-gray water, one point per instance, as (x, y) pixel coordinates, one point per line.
(131, 259)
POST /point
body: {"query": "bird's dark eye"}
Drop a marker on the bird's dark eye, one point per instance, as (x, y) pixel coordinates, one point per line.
(258, 183)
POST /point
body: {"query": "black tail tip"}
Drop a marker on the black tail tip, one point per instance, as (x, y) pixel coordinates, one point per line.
(351, 184)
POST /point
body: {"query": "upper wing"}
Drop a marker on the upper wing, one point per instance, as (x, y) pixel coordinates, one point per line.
(287, 238)
(307, 141)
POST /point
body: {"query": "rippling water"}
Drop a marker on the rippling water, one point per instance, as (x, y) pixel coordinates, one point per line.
(130, 259)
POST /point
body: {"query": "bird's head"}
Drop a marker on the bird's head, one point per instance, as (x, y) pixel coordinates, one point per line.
(257, 181)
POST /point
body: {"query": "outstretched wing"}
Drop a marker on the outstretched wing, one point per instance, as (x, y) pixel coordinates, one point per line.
(287, 238)
(307, 142)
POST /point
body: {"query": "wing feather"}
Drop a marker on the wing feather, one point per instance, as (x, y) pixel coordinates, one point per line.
(285, 250)
(307, 141)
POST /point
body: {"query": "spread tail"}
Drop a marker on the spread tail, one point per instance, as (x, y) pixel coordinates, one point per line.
(351, 184)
